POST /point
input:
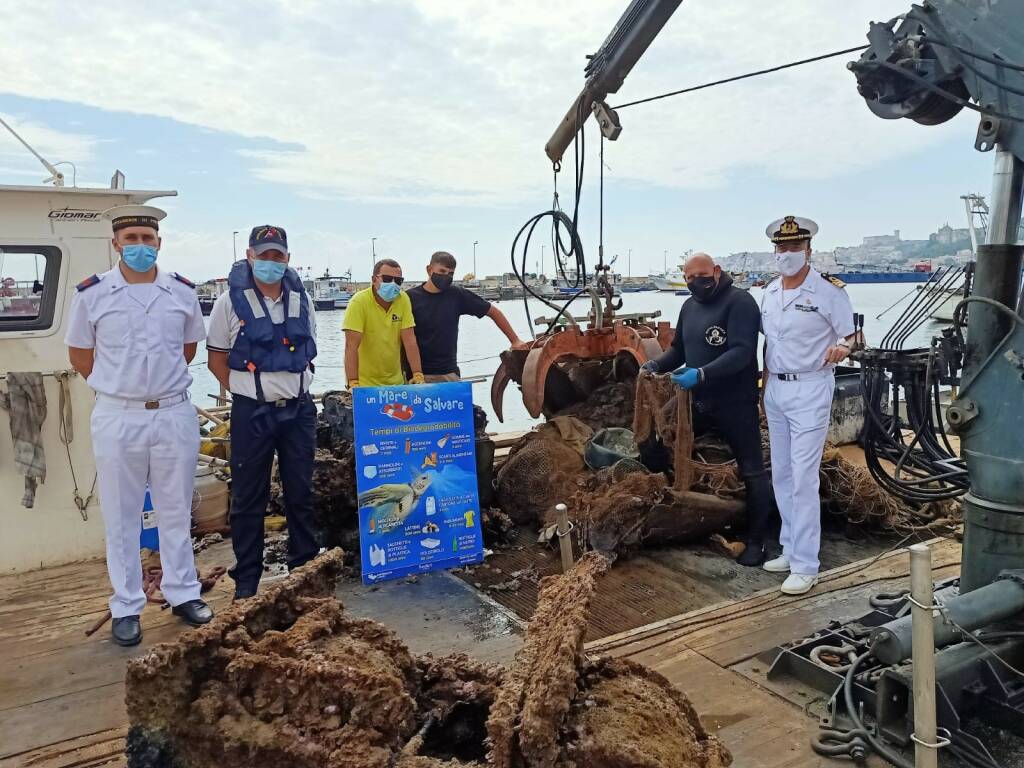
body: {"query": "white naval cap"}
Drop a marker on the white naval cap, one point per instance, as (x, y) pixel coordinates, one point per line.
(790, 228)
(122, 216)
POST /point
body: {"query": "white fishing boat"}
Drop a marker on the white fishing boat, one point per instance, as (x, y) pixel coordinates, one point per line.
(61, 232)
(332, 292)
(669, 282)
(209, 291)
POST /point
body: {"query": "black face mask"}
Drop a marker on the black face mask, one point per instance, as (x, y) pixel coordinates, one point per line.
(441, 282)
(702, 288)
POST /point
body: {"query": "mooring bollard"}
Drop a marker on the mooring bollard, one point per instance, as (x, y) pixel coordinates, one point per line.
(925, 736)
(563, 529)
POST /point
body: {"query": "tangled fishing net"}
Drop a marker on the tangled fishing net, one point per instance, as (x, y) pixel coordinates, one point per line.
(616, 496)
(854, 494)
(657, 416)
(541, 469)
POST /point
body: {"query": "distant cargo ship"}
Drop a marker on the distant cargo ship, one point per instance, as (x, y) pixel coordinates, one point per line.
(919, 274)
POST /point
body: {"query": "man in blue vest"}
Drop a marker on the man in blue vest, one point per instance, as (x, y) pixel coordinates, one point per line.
(261, 344)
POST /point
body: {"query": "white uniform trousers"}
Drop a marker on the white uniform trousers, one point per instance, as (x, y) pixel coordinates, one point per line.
(798, 418)
(134, 446)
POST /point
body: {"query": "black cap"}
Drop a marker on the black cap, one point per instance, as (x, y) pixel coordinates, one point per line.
(267, 237)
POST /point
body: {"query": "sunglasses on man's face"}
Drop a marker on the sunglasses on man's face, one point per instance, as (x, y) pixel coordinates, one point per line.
(391, 279)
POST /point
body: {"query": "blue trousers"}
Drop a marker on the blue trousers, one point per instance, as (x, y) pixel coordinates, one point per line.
(258, 430)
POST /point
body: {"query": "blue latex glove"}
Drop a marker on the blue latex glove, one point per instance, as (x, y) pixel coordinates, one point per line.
(651, 366)
(687, 378)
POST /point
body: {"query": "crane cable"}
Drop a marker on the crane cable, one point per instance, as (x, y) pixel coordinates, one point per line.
(746, 76)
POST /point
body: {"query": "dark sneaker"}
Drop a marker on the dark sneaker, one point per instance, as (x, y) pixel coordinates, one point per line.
(126, 631)
(194, 612)
(243, 593)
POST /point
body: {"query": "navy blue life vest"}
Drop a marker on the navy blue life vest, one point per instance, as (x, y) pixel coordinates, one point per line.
(263, 346)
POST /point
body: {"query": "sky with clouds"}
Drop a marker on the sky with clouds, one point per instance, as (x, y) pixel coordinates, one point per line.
(422, 123)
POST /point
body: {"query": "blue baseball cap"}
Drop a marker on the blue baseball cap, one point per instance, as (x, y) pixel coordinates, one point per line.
(267, 237)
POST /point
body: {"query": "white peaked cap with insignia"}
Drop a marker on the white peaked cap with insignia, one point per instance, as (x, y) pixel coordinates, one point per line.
(790, 228)
(122, 216)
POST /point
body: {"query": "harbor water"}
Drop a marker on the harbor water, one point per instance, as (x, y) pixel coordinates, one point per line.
(480, 341)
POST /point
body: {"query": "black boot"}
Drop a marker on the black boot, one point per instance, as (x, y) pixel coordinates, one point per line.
(243, 593)
(753, 555)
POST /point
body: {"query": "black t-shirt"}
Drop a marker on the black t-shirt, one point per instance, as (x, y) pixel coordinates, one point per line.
(437, 324)
(719, 336)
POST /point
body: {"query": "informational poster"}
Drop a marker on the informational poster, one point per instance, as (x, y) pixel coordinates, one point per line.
(416, 476)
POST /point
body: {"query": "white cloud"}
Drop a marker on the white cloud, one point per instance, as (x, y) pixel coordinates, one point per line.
(451, 101)
(53, 144)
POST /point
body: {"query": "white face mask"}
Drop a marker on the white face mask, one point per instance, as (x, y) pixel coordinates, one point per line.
(790, 262)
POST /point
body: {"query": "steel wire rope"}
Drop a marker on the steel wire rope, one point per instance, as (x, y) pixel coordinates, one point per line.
(745, 76)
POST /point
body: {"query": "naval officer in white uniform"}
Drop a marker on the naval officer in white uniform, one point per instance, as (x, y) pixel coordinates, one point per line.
(808, 325)
(131, 334)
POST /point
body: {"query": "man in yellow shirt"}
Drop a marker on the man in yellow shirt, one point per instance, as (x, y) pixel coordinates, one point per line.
(378, 325)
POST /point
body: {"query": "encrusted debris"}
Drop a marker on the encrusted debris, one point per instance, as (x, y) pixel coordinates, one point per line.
(207, 541)
(632, 716)
(289, 679)
(530, 710)
(609, 405)
(335, 508)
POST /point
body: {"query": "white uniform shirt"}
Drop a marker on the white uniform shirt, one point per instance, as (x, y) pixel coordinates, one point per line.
(224, 327)
(138, 334)
(799, 328)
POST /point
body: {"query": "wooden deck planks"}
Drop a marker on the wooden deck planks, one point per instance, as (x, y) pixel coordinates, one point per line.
(727, 621)
(104, 748)
(696, 653)
(62, 693)
(749, 720)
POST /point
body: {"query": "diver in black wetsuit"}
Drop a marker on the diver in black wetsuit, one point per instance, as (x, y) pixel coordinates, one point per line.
(716, 343)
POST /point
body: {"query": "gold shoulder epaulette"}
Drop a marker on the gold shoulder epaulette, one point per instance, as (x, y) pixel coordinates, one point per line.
(834, 280)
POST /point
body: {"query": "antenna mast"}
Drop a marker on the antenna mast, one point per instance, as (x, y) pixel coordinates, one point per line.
(56, 177)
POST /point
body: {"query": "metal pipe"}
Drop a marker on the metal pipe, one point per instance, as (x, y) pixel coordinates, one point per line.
(892, 643)
(923, 630)
(994, 508)
(563, 529)
(1007, 189)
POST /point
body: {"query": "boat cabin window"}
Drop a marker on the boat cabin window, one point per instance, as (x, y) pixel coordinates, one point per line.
(29, 275)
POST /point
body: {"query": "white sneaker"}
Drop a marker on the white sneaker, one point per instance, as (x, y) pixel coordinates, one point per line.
(779, 565)
(798, 584)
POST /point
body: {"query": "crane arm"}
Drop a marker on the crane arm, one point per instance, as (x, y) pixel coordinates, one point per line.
(607, 69)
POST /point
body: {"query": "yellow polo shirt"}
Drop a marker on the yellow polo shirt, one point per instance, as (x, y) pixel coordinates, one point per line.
(380, 351)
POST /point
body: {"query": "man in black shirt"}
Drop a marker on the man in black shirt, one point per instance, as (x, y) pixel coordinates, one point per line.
(437, 306)
(716, 343)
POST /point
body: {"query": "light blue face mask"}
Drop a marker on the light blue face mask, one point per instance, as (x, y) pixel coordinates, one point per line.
(389, 291)
(138, 258)
(269, 272)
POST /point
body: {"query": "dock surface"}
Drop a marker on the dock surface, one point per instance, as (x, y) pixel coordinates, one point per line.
(62, 693)
(712, 655)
